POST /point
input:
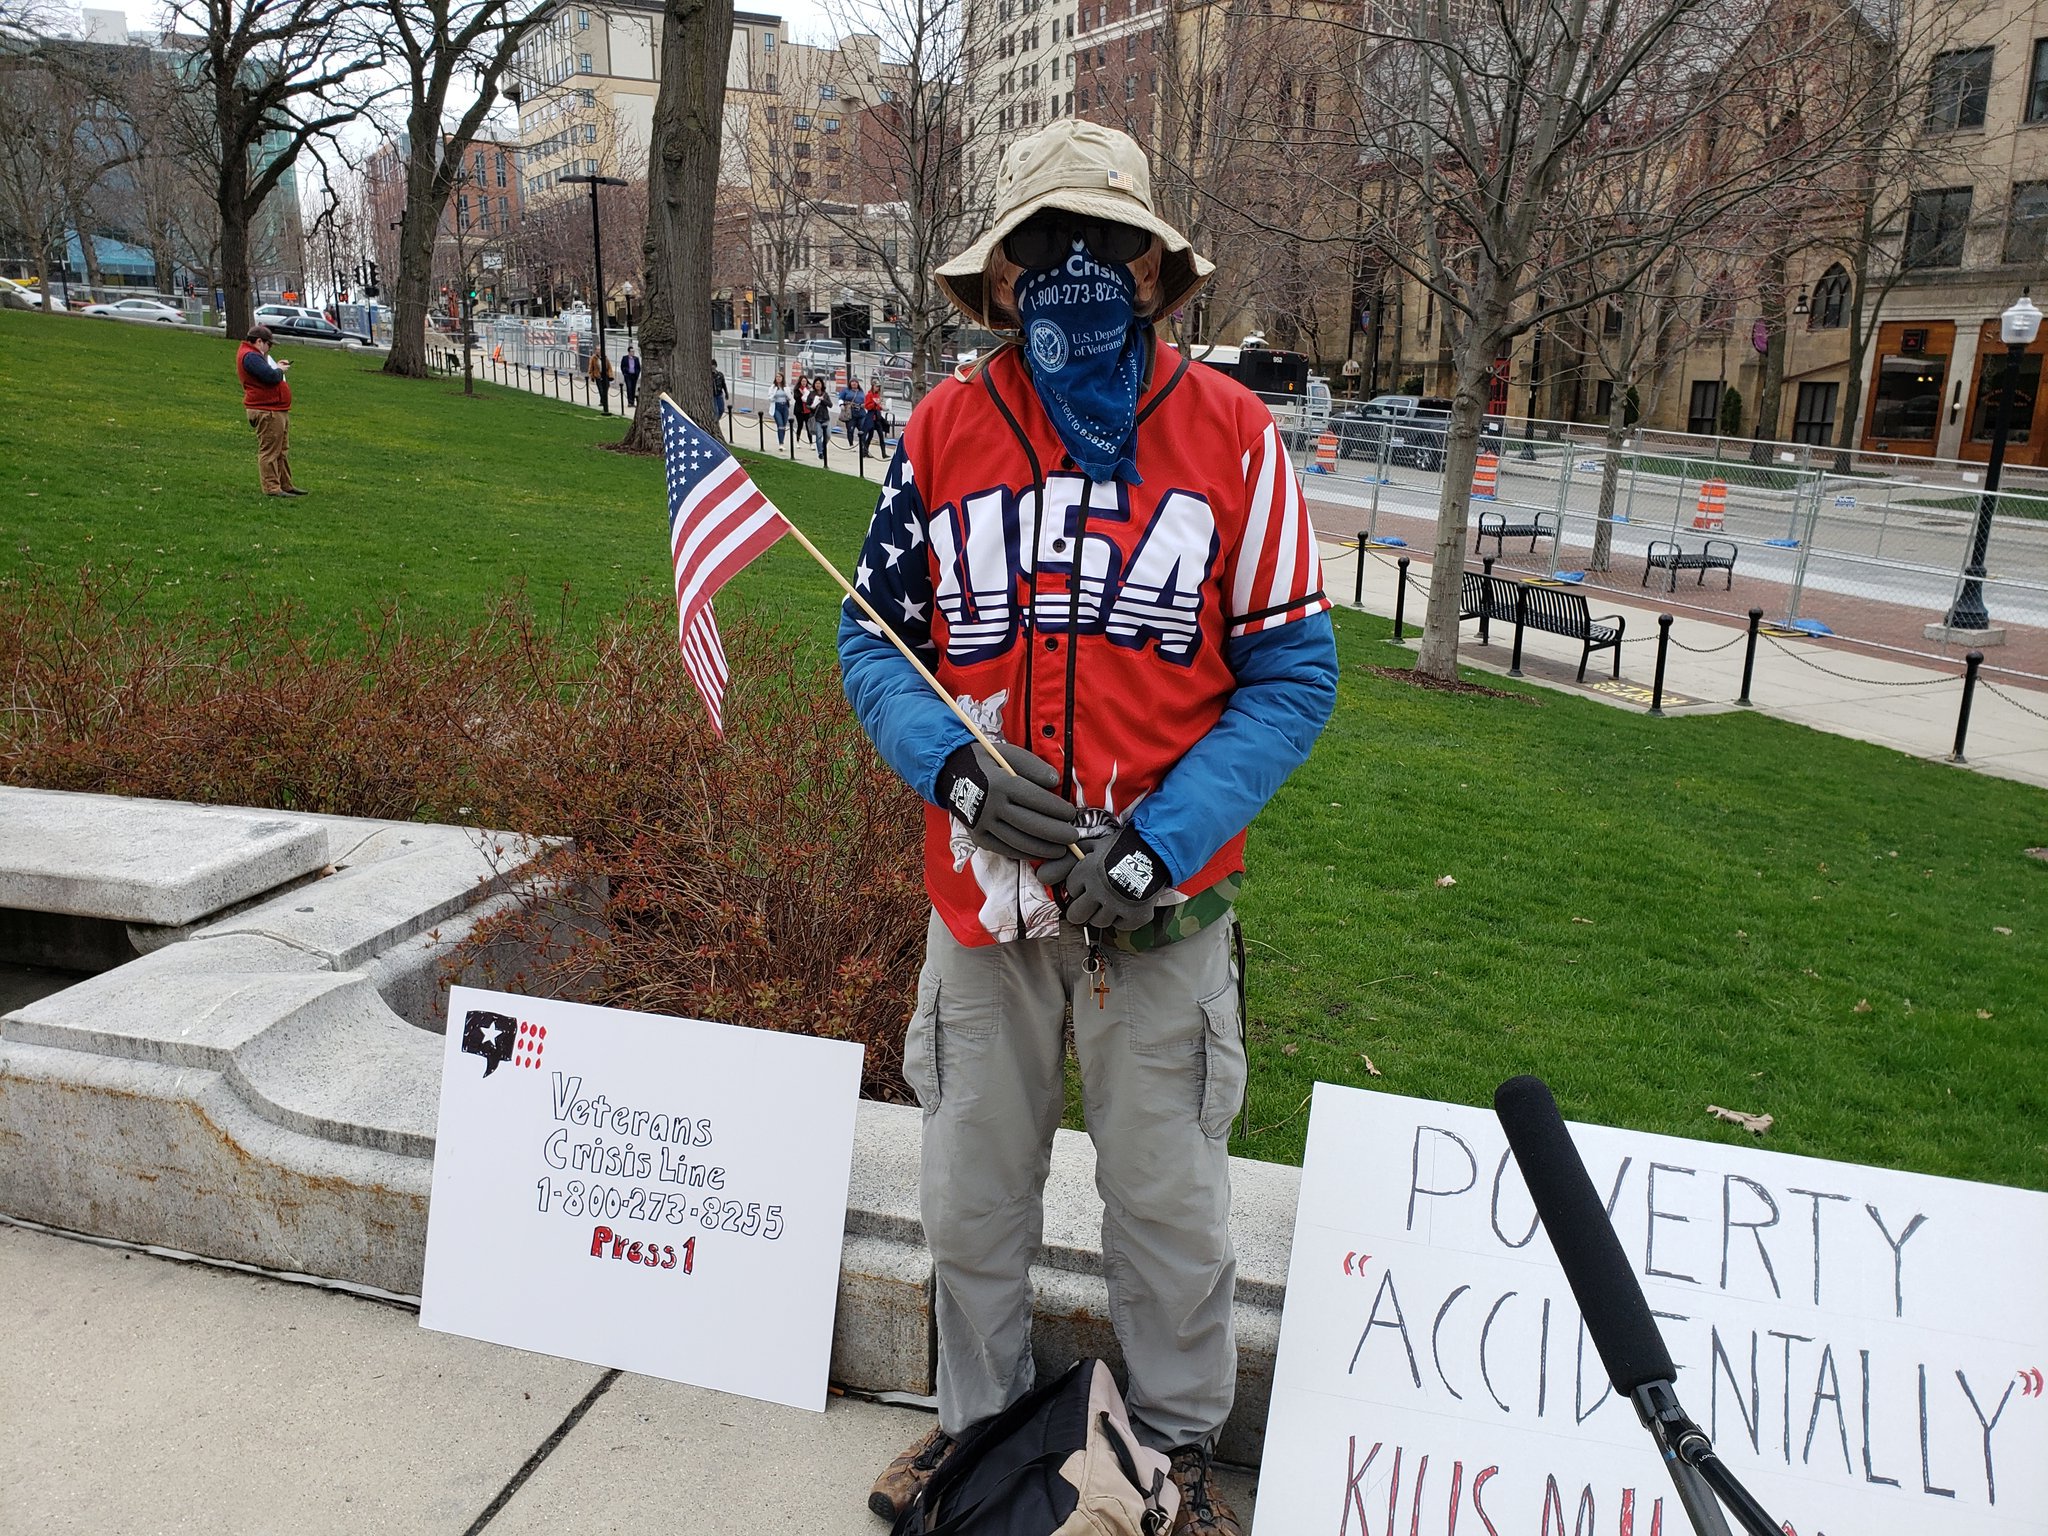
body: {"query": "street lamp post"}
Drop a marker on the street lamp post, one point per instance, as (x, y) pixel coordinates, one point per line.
(2017, 327)
(628, 287)
(597, 264)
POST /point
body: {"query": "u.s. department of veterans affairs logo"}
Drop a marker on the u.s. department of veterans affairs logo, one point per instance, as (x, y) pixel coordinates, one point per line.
(1048, 345)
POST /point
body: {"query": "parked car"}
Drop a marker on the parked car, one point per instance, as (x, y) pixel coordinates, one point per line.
(307, 326)
(15, 295)
(895, 371)
(138, 309)
(819, 357)
(1412, 429)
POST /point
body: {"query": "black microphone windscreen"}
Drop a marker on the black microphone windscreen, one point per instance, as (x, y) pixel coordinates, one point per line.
(1609, 1296)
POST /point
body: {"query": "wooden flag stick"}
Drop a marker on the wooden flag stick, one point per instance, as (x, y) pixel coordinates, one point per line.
(897, 640)
(910, 656)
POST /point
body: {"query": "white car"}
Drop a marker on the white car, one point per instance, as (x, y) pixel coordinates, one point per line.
(138, 309)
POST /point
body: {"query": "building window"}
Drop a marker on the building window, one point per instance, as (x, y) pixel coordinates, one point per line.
(588, 98)
(2037, 83)
(1991, 395)
(1935, 227)
(835, 254)
(831, 124)
(1130, 45)
(831, 151)
(583, 63)
(1814, 419)
(1830, 311)
(802, 178)
(774, 114)
(1957, 88)
(505, 212)
(1130, 87)
(1610, 320)
(801, 151)
(885, 95)
(583, 21)
(767, 42)
(1905, 407)
(800, 120)
(2028, 222)
(1603, 399)
(462, 211)
(1703, 419)
(501, 168)
(590, 133)
(590, 167)
(477, 161)
(831, 183)
(828, 92)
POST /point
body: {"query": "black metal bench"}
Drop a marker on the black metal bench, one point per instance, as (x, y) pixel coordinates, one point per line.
(1556, 610)
(1718, 555)
(1495, 526)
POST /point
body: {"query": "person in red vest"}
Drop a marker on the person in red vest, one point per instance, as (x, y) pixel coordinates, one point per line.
(268, 400)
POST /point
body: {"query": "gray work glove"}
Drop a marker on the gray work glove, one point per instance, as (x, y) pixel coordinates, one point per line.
(1116, 886)
(1020, 815)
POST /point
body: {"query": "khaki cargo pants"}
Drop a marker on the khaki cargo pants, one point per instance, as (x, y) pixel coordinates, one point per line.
(273, 468)
(1163, 1073)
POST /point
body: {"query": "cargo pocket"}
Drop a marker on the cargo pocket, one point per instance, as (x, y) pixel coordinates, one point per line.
(921, 1044)
(1223, 1077)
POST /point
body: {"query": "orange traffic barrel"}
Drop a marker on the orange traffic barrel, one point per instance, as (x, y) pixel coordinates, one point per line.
(1713, 506)
(1486, 476)
(1326, 454)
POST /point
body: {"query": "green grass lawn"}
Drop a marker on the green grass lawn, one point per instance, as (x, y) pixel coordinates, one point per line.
(1654, 914)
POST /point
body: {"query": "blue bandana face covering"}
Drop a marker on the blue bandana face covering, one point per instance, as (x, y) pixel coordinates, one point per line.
(1087, 359)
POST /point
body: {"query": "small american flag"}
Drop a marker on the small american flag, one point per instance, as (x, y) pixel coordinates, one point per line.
(718, 520)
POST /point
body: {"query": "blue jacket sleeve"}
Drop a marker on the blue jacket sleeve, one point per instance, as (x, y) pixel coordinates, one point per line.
(262, 369)
(1286, 689)
(908, 723)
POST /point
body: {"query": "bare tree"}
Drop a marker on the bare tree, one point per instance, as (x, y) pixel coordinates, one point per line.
(262, 80)
(441, 46)
(1496, 123)
(781, 183)
(43, 152)
(915, 207)
(682, 182)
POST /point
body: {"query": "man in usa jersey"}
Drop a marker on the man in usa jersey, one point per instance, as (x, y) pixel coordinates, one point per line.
(1101, 552)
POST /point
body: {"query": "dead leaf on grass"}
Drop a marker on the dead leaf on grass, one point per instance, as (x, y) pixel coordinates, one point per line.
(1862, 1005)
(1371, 1070)
(1995, 928)
(1290, 1049)
(1755, 1124)
(1586, 920)
(1450, 880)
(1983, 1013)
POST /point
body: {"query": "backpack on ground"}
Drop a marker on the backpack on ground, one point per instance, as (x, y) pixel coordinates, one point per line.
(1060, 1461)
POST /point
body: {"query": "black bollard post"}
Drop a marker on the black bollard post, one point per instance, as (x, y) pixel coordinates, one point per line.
(1972, 662)
(1521, 615)
(1486, 601)
(1756, 617)
(1358, 582)
(1400, 596)
(1663, 646)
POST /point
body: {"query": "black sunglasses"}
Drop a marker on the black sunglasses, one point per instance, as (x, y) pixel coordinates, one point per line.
(1046, 240)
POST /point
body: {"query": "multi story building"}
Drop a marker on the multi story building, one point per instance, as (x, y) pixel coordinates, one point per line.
(484, 213)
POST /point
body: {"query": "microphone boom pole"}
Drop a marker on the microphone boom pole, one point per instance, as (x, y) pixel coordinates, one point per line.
(1611, 1301)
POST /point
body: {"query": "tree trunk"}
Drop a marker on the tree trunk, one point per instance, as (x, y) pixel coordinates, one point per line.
(412, 295)
(682, 181)
(1610, 474)
(1438, 654)
(237, 301)
(1771, 377)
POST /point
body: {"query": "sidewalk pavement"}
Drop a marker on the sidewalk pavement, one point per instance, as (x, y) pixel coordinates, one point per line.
(147, 1395)
(1910, 708)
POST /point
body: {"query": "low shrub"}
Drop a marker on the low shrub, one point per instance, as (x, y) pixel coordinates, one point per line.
(768, 879)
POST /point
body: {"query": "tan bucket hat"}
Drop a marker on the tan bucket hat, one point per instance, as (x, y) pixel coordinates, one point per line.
(1080, 167)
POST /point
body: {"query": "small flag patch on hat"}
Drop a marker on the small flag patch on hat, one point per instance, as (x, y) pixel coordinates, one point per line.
(1117, 178)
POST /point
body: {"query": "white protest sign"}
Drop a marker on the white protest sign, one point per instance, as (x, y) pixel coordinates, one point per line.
(659, 1194)
(1865, 1347)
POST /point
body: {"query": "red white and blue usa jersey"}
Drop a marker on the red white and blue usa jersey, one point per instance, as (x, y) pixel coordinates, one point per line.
(1100, 637)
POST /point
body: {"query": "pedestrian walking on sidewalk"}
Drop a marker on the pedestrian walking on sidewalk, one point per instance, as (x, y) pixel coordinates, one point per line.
(600, 374)
(821, 419)
(1145, 718)
(629, 374)
(779, 398)
(267, 401)
(718, 397)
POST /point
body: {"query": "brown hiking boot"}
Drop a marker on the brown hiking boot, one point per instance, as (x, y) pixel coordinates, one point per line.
(904, 1478)
(1202, 1510)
